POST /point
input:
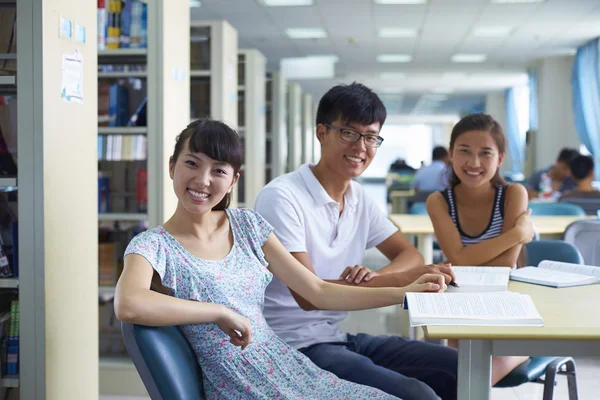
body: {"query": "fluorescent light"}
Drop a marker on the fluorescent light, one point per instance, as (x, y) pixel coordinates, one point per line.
(492, 31)
(442, 90)
(397, 32)
(469, 58)
(516, 1)
(313, 67)
(400, 1)
(283, 3)
(392, 75)
(394, 58)
(195, 3)
(306, 33)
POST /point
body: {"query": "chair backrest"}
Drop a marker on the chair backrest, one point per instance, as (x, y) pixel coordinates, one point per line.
(165, 361)
(590, 205)
(556, 209)
(418, 209)
(555, 250)
(585, 235)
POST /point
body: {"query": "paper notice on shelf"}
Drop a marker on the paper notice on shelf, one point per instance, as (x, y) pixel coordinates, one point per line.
(72, 78)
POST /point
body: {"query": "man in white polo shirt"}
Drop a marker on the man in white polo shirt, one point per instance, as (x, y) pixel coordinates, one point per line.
(326, 222)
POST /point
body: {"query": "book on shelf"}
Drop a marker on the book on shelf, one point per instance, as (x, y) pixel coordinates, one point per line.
(480, 279)
(472, 309)
(121, 24)
(8, 38)
(557, 274)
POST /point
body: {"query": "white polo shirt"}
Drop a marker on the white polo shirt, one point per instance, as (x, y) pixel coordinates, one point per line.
(307, 219)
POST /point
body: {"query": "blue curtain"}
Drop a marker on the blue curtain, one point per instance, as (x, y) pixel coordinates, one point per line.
(585, 81)
(533, 100)
(516, 146)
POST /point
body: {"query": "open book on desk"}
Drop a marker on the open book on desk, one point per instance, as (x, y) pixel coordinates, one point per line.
(472, 309)
(557, 274)
(480, 279)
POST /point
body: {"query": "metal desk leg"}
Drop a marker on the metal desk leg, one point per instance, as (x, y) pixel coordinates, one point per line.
(425, 246)
(474, 369)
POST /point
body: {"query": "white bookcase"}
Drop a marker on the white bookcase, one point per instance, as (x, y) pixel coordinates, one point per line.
(276, 118)
(252, 124)
(165, 82)
(294, 128)
(214, 73)
(308, 132)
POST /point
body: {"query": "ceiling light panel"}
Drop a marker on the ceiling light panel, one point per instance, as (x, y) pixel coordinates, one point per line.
(516, 1)
(286, 3)
(392, 32)
(394, 58)
(469, 58)
(306, 33)
(400, 1)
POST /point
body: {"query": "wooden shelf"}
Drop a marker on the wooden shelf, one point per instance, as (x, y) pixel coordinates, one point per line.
(9, 283)
(7, 80)
(122, 74)
(122, 130)
(122, 52)
(9, 381)
(200, 73)
(122, 217)
(8, 182)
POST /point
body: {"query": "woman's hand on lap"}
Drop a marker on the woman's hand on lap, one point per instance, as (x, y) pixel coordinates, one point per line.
(236, 326)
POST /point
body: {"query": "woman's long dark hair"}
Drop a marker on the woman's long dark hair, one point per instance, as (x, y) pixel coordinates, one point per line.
(479, 122)
(218, 141)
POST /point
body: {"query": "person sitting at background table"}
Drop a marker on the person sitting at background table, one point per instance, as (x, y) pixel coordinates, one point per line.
(434, 176)
(479, 219)
(582, 171)
(555, 179)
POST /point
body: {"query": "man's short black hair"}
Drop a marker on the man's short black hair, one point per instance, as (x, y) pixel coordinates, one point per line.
(581, 166)
(566, 155)
(439, 153)
(353, 103)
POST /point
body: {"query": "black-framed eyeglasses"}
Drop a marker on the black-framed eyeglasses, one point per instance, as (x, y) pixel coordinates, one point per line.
(349, 135)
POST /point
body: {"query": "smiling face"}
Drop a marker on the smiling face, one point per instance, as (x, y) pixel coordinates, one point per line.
(200, 182)
(348, 160)
(476, 158)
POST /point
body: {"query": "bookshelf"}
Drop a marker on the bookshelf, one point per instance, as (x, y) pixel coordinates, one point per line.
(316, 143)
(252, 124)
(276, 120)
(10, 381)
(157, 82)
(57, 222)
(308, 132)
(214, 73)
(294, 128)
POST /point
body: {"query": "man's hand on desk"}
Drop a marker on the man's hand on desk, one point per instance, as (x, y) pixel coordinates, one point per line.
(357, 274)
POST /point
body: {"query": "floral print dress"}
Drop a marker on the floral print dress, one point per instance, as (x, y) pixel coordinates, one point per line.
(268, 368)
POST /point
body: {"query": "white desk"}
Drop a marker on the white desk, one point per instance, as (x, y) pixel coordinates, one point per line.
(571, 328)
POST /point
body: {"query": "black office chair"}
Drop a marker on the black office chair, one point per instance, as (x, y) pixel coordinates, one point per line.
(165, 361)
(535, 368)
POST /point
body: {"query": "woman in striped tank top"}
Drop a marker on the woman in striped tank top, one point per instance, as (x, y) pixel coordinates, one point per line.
(479, 220)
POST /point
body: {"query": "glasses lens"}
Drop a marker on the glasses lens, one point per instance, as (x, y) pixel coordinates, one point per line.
(350, 136)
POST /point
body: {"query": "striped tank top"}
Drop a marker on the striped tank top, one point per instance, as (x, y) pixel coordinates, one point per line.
(494, 227)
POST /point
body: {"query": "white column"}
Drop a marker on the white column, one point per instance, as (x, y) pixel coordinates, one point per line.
(496, 107)
(555, 110)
